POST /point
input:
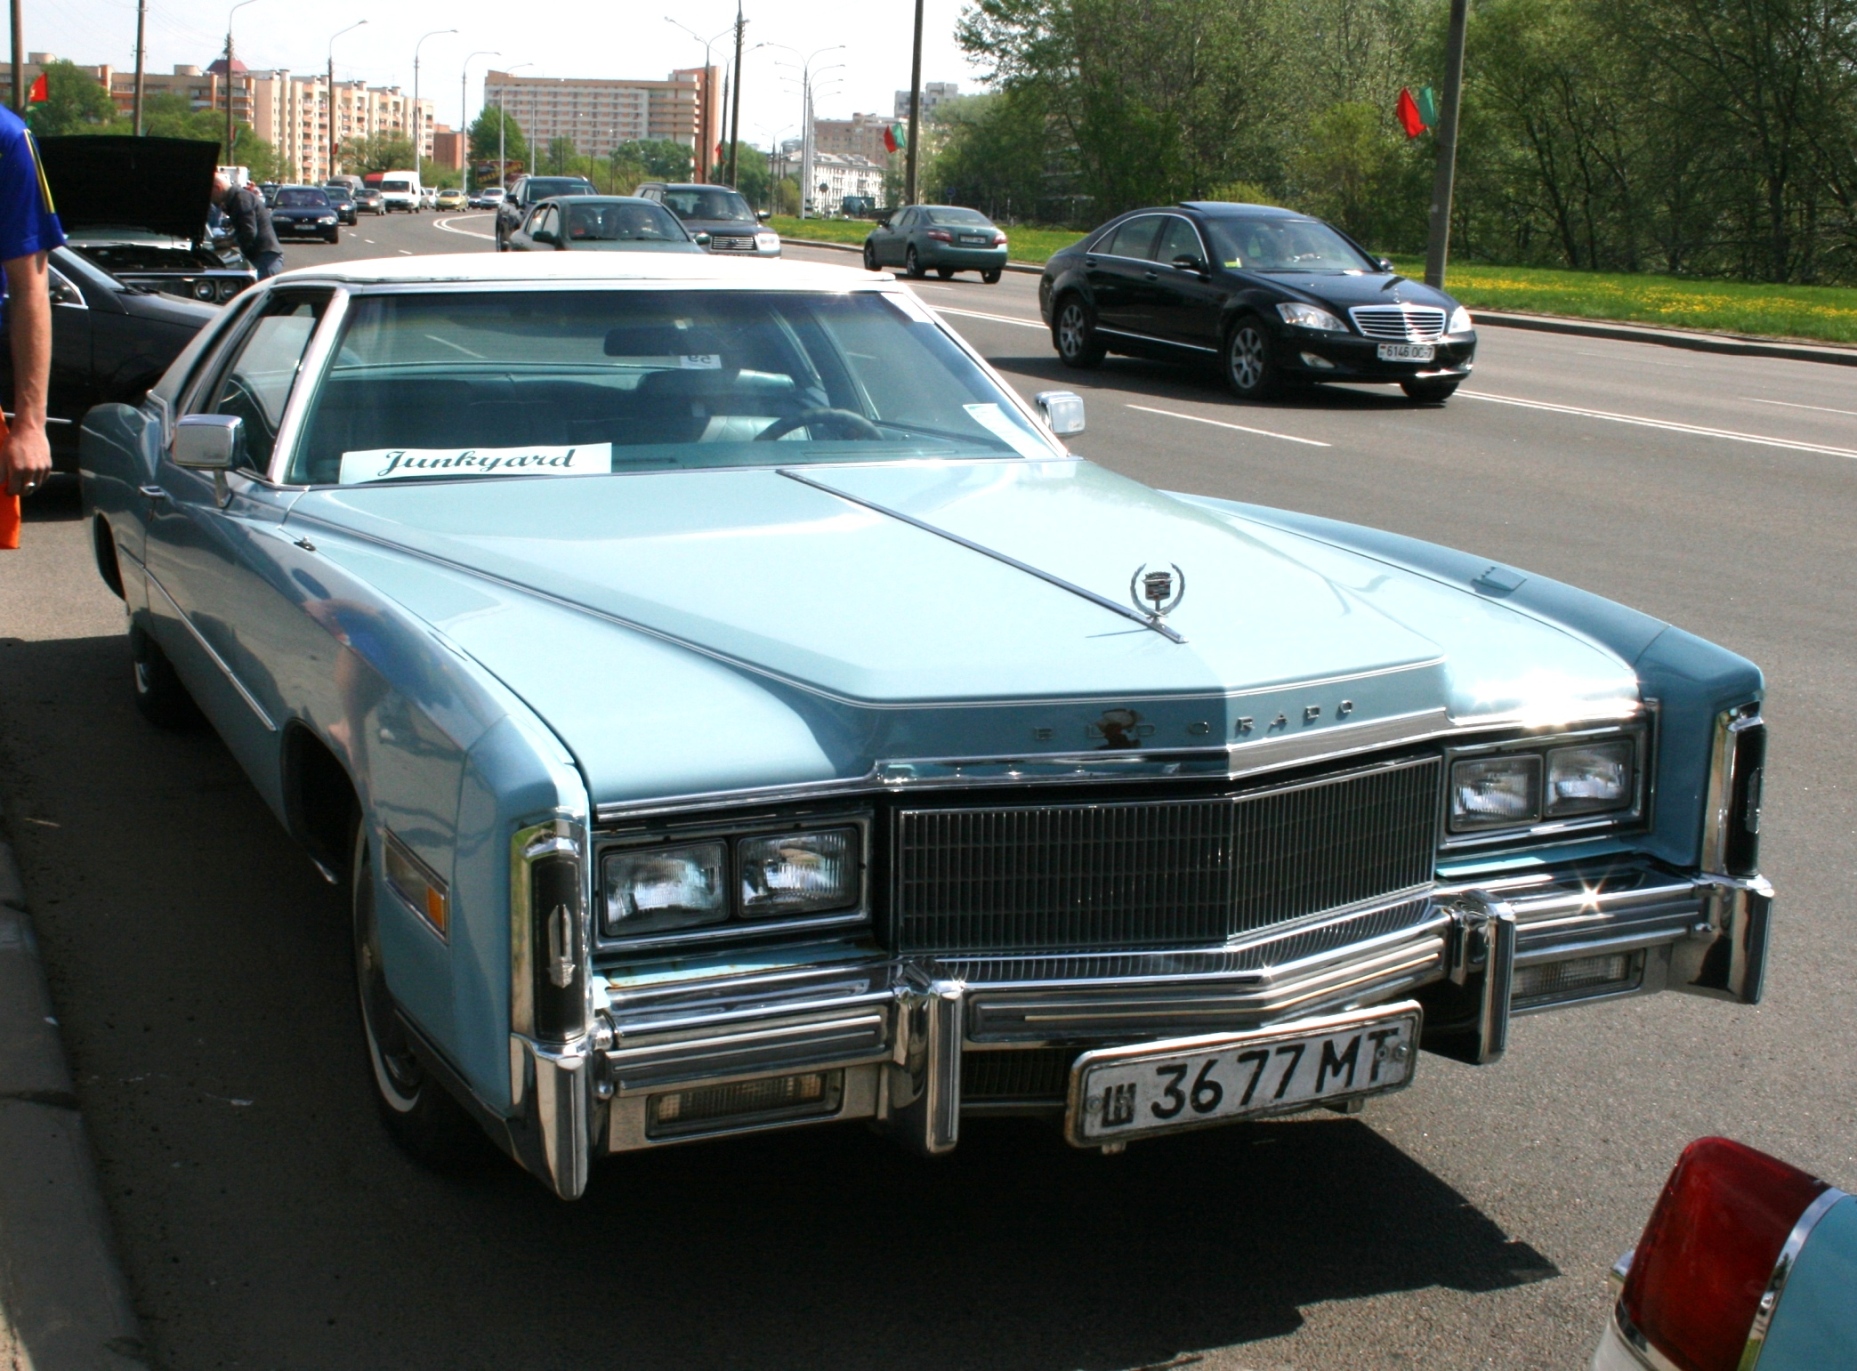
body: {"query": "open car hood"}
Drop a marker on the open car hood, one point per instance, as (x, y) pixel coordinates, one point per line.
(162, 185)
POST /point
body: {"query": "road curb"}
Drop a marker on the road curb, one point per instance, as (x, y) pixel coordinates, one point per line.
(64, 1304)
(1735, 344)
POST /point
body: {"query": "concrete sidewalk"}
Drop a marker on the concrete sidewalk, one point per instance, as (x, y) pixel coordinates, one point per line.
(64, 1305)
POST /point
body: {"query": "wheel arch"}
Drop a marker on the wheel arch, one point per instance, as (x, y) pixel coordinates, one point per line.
(103, 543)
(321, 800)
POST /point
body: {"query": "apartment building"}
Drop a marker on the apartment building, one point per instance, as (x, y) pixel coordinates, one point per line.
(839, 173)
(860, 135)
(598, 114)
(933, 93)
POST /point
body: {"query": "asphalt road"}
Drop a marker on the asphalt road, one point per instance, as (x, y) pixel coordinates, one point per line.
(200, 970)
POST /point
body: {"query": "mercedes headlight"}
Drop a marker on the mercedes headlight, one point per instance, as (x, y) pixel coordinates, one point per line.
(1589, 778)
(798, 873)
(654, 889)
(1495, 792)
(1460, 321)
(1308, 316)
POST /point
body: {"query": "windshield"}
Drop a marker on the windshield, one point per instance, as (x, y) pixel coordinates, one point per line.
(338, 194)
(943, 214)
(541, 187)
(723, 205)
(1284, 245)
(639, 221)
(395, 186)
(551, 383)
(302, 199)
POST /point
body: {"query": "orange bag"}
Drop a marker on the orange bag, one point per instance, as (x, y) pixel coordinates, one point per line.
(9, 507)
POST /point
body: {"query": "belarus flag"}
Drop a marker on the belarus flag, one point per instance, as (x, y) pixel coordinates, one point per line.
(38, 92)
(1407, 112)
(895, 138)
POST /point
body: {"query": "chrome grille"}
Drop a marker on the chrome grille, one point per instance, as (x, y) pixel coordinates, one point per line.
(1399, 323)
(723, 244)
(1132, 874)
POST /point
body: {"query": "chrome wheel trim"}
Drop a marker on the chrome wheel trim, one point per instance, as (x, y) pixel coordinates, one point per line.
(870, 258)
(1245, 358)
(1070, 329)
(143, 685)
(396, 1074)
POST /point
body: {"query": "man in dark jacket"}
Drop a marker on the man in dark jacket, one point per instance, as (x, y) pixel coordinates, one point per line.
(251, 223)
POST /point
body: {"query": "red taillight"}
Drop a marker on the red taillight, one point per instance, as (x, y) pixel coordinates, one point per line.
(999, 239)
(940, 235)
(1709, 1251)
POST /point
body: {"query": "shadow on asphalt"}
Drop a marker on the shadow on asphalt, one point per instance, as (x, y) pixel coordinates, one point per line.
(1199, 384)
(201, 973)
(59, 502)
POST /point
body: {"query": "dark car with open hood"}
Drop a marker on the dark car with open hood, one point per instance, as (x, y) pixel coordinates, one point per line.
(1275, 298)
(137, 208)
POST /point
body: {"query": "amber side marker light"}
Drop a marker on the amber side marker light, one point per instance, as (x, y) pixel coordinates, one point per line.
(1705, 1277)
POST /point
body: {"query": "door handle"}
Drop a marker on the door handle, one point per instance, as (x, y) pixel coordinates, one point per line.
(1150, 276)
(153, 493)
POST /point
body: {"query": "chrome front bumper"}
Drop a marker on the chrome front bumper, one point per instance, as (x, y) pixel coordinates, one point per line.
(890, 1035)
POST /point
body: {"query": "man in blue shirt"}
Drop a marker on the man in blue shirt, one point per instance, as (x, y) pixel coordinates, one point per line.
(28, 232)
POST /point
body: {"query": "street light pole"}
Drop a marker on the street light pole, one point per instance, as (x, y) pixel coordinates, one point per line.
(1438, 241)
(735, 119)
(464, 107)
(419, 128)
(806, 113)
(502, 162)
(229, 13)
(915, 112)
(702, 155)
(329, 99)
(141, 58)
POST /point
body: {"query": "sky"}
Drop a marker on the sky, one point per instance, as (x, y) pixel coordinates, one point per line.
(627, 39)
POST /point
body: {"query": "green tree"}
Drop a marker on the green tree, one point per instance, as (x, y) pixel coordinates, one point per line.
(664, 159)
(484, 137)
(751, 177)
(1354, 169)
(74, 103)
(378, 152)
(561, 154)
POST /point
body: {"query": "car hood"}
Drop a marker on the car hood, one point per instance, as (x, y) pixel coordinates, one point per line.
(1375, 288)
(700, 631)
(163, 185)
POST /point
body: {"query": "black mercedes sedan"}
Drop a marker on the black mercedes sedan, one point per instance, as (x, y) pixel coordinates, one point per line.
(1275, 297)
(110, 343)
(304, 212)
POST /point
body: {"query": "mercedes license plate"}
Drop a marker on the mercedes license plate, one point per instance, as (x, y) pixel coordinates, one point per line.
(1132, 1092)
(1407, 352)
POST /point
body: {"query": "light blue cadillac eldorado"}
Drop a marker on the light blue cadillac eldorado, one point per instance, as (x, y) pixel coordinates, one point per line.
(731, 707)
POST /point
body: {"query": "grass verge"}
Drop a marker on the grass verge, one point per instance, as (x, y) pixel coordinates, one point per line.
(1824, 314)
(1033, 245)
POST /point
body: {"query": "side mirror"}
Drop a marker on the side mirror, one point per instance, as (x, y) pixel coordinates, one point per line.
(1188, 262)
(209, 442)
(1063, 411)
(542, 235)
(1384, 263)
(702, 239)
(761, 215)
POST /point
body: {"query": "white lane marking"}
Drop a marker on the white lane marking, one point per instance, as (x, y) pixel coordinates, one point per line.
(447, 226)
(1220, 423)
(405, 252)
(996, 318)
(367, 240)
(1822, 409)
(1668, 424)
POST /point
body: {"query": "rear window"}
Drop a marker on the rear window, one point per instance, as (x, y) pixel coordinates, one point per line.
(638, 222)
(396, 185)
(302, 199)
(945, 214)
(525, 383)
(541, 187)
(724, 205)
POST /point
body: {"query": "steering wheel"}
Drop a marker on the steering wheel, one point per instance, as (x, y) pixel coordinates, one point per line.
(845, 420)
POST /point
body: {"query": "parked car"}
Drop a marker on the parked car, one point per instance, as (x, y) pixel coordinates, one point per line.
(1273, 297)
(528, 192)
(137, 207)
(602, 223)
(304, 212)
(451, 198)
(718, 211)
(487, 197)
(268, 189)
(730, 706)
(342, 199)
(1746, 1263)
(401, 190)
(939, 238)
(368, 201)
(110, 342)
(858, 207)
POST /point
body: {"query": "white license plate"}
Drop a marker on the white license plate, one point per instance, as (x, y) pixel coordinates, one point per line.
(1407, 352)
(1130, 1092)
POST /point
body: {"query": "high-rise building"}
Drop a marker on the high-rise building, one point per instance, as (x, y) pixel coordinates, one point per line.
(598, 114)
(933, 93)
(860, 135)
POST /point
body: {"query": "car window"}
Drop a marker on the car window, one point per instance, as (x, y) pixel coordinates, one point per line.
(725, 205)
(526, 382)
(302, 199)
(1283, 244)
(622, 223)
(541, 219)
(542, 187)
(255, 384)
(946, 214)
(1179, 239)
(1134, 238)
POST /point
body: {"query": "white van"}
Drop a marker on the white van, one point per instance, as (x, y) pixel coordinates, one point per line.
(401, 190)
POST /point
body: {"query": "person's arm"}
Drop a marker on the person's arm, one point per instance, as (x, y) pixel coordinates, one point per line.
(26, 459)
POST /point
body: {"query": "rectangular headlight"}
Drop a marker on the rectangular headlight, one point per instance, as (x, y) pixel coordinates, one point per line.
(798, 873)
(1589, 778)
(1495, 792)
(649, 890)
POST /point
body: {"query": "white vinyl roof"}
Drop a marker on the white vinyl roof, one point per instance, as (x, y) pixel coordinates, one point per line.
(592, 267)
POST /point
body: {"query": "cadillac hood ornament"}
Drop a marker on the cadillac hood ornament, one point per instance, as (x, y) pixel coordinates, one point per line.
(1157, 593)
